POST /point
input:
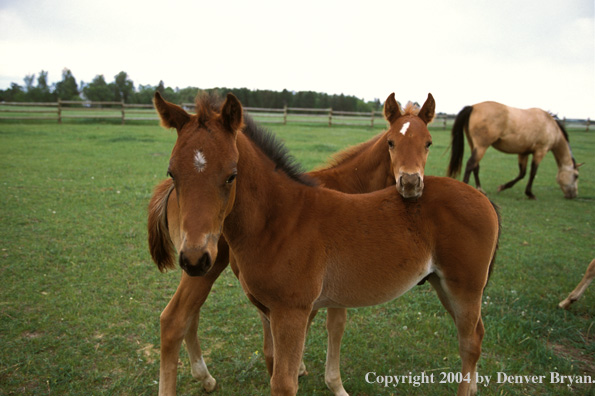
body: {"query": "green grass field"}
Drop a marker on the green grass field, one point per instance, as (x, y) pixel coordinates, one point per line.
(80, 297)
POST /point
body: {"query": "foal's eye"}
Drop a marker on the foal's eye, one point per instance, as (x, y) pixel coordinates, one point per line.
(391, 144)
(428, 144)
(231, 178)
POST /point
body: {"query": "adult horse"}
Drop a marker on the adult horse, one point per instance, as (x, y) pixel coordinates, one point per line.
(364, 168)
(299, 247)
(513, 131)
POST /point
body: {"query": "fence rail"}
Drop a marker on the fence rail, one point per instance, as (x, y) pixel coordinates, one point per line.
(125, 112)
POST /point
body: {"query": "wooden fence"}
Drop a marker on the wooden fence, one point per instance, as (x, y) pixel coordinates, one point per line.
(125, 112)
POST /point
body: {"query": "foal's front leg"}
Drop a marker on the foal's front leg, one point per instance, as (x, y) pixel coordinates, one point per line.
(335, 327)
(268, 349)
(288, 328)
(179, 321)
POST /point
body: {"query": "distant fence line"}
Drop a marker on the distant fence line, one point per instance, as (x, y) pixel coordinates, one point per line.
(63, 109)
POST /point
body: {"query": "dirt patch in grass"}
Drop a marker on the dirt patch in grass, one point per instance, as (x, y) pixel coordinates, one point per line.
(585, 363)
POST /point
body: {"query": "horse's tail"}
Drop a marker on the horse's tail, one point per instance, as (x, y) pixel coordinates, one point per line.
(493, 261)
(458, 141)
(160, 243)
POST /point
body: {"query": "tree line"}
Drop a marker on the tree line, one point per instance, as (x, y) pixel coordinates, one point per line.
(37, 89)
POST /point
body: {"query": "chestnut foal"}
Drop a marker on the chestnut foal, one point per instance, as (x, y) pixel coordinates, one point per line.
(363, 168)
(299, 247)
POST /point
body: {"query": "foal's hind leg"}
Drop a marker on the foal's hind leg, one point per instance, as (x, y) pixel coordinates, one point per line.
(522, 171)
(465, 308)
(179, 320)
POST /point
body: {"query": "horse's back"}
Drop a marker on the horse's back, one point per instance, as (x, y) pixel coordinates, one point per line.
(448, 200)
(466, 228)
(510, 129)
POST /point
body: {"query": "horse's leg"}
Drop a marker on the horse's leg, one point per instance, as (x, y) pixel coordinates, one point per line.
(335, 326)
(473, 166)
(522, 171)
(465, 308)
(288, 327)
(537, 157)
(179, 320)
(580, 288)
(268, 349)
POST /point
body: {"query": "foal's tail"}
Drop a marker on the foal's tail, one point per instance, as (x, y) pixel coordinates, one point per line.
(458, 141)
(493, 261)
(160, 243)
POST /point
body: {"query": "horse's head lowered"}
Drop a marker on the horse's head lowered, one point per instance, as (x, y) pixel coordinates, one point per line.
(568, 179)
(203, 166)
(409, 142)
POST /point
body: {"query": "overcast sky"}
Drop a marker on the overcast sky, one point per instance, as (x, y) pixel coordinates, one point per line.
(532, 53)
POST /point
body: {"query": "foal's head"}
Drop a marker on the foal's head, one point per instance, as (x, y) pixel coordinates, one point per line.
(409, 143)
(203, 166)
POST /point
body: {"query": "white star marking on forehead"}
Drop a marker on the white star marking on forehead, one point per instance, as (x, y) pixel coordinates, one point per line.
(200, 162)
(405, 127)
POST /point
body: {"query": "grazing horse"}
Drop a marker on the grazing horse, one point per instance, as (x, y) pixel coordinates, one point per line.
(300, 247)
(580, 288)
(363, 168)
(513, 131)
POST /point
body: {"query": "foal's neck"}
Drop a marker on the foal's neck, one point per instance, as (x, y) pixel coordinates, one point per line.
(364, 169)
(264, 194)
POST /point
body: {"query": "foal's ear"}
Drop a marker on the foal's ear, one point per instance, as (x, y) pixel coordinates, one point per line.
(172, 116)
(392, 111)
(428, 110)
(231, 113)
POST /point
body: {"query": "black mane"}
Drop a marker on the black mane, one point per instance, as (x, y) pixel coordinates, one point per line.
(275, 149)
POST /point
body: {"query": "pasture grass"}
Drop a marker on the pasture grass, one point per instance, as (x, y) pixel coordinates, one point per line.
(80, 298)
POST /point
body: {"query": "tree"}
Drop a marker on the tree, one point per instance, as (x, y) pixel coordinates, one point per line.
(98, 90)
(67, 89)
(145, 94)
(29, 82)
(123, 87)
(13, 94)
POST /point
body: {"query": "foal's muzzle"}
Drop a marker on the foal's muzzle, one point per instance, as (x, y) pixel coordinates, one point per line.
(410, 185)
(195, 264)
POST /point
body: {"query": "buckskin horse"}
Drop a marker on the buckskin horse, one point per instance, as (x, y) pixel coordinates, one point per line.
(512, 131)
(300, 247)
(363, 168)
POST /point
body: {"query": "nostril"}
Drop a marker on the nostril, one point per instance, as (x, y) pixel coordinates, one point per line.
(205, 261)
(183, 261)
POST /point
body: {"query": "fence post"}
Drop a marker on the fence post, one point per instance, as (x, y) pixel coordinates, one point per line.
(372, 120)
(59, 111)
(444, 123)
(330, 116)
(123, 113)
(588, 123)
(285, 115)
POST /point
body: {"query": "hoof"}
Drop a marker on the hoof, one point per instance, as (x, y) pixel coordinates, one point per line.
(209, 384)
(303, 370)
